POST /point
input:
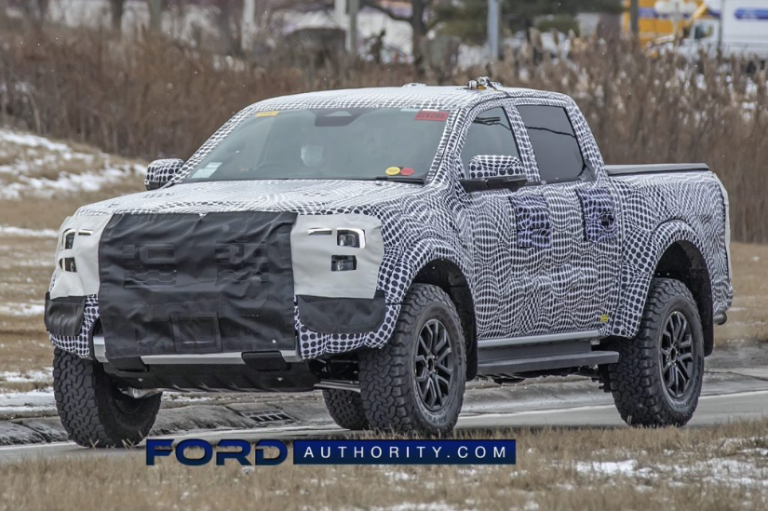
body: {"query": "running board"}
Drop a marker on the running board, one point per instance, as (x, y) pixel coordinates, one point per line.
(545, 363)
(541, 353)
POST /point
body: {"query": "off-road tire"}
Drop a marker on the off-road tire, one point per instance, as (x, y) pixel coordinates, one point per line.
(92, 409)
(636, 381)
(346, 408)
(388, 389)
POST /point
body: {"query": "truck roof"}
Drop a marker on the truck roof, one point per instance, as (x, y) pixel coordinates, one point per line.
(409, 96)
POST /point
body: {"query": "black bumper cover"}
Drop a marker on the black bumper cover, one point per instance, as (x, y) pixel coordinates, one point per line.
(189, 283)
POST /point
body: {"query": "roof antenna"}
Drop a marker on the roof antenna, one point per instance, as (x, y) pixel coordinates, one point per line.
(482, 83)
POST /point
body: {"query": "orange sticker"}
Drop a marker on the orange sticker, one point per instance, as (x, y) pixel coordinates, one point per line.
(267, 114)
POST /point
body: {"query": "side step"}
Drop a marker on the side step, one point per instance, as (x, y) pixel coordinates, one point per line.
(525, 365)
(540, 354)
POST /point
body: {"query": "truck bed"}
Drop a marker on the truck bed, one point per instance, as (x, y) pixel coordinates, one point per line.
(659, 168)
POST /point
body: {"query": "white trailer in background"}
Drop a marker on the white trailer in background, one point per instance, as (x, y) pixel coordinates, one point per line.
(738, 28)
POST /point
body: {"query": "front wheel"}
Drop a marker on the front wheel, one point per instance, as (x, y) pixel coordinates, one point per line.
(415, 383)
(346, 408)
(93, 409)
(657, 380)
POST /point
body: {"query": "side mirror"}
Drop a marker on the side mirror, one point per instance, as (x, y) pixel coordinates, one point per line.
(160, 172)
(494, 172)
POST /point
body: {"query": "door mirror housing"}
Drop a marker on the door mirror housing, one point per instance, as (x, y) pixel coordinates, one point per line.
(494, 172)
(161, 172)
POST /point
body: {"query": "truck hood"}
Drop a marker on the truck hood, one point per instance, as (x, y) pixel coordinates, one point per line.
(301, 196)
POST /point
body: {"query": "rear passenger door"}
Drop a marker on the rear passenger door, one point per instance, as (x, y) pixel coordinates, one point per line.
(584, 254)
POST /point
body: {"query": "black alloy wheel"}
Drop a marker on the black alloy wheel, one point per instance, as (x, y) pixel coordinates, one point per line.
(676, 355)
(434, 365)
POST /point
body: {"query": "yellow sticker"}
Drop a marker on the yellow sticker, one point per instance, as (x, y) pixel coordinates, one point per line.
(604, 318)
(392, 171)
(267, 114)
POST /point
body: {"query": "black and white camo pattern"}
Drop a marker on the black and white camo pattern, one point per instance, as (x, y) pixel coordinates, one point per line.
(161, 171)
(599, 214)
(566, 272)
(532, 221)
(486, 165)
(80, 344)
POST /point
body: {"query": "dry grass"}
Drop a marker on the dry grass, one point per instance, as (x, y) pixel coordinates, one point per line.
(719, 468)
(154, 98)
(748, 318)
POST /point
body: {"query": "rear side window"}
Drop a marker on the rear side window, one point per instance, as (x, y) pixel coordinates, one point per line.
(490, 133)
(554, 143)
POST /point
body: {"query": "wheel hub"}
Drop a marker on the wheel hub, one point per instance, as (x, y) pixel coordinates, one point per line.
(676, 354)
(434, 365)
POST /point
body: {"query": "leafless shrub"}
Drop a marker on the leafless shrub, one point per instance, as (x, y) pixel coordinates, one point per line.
(663, 110)
(156, 98)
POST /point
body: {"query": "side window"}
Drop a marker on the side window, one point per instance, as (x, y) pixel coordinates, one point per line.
(554, 143)
(490, 133)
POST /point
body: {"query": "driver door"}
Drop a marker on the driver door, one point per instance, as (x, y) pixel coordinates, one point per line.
(512, 244)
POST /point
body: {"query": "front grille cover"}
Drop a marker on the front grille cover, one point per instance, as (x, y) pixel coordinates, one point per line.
(190, 283)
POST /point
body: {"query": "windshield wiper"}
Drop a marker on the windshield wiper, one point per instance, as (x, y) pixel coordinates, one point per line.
(399, 179)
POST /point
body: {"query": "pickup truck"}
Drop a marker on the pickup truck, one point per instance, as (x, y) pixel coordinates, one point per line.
(387, 245)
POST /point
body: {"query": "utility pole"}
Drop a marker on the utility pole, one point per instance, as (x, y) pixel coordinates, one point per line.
(354, 8)
(634, 17)
(494, 15)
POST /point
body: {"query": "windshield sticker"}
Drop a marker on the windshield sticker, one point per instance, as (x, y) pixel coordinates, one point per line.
(407, 171)
(431, 115)
(205, 172)
(392, 171)
(267, 114)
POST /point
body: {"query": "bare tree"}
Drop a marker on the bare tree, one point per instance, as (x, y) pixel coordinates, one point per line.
(229, 20)
(423, 18)
(35, 12)
(117, 8)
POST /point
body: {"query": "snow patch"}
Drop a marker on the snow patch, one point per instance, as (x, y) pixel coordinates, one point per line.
(26, 402)
(33, 158)
(718, 471)
(26, 139)
(22, 309)
(10, 230)
(26, 376)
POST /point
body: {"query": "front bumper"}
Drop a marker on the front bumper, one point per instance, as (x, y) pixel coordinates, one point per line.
(186, 284)
(269, 371)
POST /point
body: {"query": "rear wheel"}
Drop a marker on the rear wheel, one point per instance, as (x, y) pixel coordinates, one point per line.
(93, 409)
(415, 383)
(657, 380)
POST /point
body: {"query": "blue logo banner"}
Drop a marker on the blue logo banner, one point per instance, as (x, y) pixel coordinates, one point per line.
(751, 14)
(404, 452)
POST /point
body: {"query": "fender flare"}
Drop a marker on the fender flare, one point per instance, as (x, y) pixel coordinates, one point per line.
(638, 269)
(414, 265)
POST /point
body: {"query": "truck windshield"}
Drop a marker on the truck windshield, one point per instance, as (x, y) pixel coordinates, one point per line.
(327, 143)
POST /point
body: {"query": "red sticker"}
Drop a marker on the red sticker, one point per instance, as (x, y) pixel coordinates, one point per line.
(407, 171)
(431, 115)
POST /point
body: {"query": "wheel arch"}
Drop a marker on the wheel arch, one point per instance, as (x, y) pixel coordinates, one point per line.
(672, 250)
(448, 276)
(682, 260)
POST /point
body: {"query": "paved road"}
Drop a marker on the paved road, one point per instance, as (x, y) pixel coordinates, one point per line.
(483, 411)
